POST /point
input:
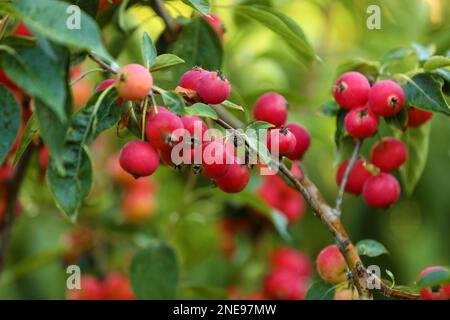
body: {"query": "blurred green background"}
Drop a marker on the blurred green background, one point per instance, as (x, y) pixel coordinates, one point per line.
(415, 230)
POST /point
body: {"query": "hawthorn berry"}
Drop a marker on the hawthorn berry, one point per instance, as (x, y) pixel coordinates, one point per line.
(134, 82)
(138, 205)
(417, 117)
(117, 287)
(351, 90)
(235, 180)
(282, 137)
(381, 191)
(91, 289)
(216, 23)
(331, 265)
(302, 141)
(386, 98)
(138, 158)
(441, 292)
(215, 155)
(388, 154)
(361, 122)
(357, 178)
(190, 79)
(161, 128)
(213, 88)
(291, 260)
(194, 125)
(271, 107)
(284, 285)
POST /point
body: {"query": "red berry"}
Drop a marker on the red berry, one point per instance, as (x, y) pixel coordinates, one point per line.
(361, 123)
(215, 163)
(134, 82)
(351, 90)
(388, 154)
(189, 80)
(331, 265)
(386, 98)
(417, 117)
(194, 125)
(439, 293)
(381, 191)
(283, 138)
(291, 260)
(138, 204)
(22, 30)
(235, 180)
(216, 23)
(91, 289)
(161, 130)
(302, 141)
(357, 178)
(117, 287)
(139, 158)
(272, 108)
(284, 285)
(213, 88)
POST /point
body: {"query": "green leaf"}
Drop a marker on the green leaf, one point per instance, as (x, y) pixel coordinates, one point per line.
(416, 141)
(434, 279)
(50, 19)
(148, 51)
(30, 131)
(202, 6)
(173, 102)
(320, 291)
(166, 61)
(88, 6)
(198, 45)
(108, 114)
(259, 125)
(370, 248)
(331, 109)
(340, 127)
(201, 110)
(424, 91)
(40, 75)
(444, 73)
(230, 105)
(154, 273)
(392, 277)
(423, 52)
(256, 143)
(371, 69)
(283, 26)
(398, 121)
(10, 119)
(436, 62)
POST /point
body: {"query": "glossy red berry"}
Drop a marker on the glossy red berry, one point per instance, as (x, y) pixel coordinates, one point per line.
(361, 123)
(90, 289)
(417, 117)
(282, 139)
(331, 265)
(351, 90)
(271, 107)
(284, 285)
(235, 180)
(302, 141)
(216, 23)
(189, 80)
(139, 158)
(216, 158)
(381, 191)
(289, 259)
(386, 98)
(194, 125)
(134, 82)
(357, 178)
(441, 292)
(161, 128)
(388, 154)
(213, 88)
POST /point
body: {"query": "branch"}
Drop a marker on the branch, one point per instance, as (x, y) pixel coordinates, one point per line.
(160, 10)
(12, 188)
(347, 171)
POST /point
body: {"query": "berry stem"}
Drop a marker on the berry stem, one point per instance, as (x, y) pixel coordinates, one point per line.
(355, 156)
(82, 76)
(144, 117)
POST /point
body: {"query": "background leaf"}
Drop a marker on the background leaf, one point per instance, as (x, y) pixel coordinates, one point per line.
(320, 291)
(165, 61)
(370, 248)
(10, 119)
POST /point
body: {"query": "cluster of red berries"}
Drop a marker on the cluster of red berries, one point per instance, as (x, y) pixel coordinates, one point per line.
(441, 292)
(115, 286)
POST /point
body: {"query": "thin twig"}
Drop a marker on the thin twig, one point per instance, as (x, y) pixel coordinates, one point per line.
(85, 74)
(347, 171)
(102, 64)
(160, 10)
(13, 187)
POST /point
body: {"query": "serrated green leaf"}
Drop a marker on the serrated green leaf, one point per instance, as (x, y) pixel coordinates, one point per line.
(320, 291)
(149, 53)
(202, 6)
(30, 131)
(434, 278)
(370, 248)
(154, 273)
(165, 61)
(230, 105)
(424, 91)
(10, 119)
(416, 141)
(201, 110)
